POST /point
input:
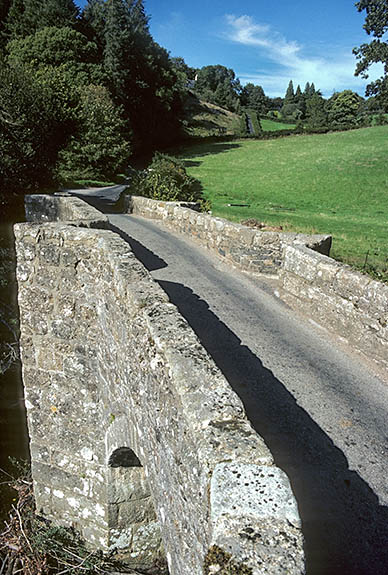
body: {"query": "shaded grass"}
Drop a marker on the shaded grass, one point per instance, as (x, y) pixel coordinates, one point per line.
(323, 183)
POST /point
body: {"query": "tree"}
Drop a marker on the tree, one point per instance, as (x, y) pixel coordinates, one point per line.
(4, 9)
(290, 94)
(92, 22)
(344, 109)
(275, 104)
(300, 101)
(316, 114)
(219, 85)
(63, 60)
(140, 73)
(52, 46)
(31, 133)
(376, 24)
(100, 146)
(27, 16)
(254, 97)
(291, 109)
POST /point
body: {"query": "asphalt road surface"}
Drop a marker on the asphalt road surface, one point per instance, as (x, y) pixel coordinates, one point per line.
(321, 411)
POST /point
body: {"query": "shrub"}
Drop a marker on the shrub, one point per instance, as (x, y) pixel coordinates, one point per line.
(32, 545)
(381, 120)
(166, 179)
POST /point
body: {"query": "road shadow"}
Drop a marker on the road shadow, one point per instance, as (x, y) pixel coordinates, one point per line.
(104, 205)
(344, 526)
(210, 146)
(149, 260)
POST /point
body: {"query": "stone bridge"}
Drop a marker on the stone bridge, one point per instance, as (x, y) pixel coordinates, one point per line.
(136, 437)
(139, 441)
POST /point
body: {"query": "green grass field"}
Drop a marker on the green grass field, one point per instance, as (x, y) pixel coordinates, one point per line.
(271, 126)
(327, 183)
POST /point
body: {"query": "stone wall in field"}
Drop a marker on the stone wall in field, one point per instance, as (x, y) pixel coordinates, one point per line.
(136, 437)
(246, 248)
(347, 303)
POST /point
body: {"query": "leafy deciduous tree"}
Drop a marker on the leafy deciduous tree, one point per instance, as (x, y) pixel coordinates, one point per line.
(30, 132)
(27, 16)
(219, 85)
(254, 97)
(98, 148)
(376, 24)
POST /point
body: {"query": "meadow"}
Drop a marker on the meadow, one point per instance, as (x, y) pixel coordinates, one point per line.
(323, 183)
(272, 126)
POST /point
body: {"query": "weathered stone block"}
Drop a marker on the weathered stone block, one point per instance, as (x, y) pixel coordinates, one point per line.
(255, 518)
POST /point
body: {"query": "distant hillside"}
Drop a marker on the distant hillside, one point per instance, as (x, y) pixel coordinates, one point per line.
(202, 119)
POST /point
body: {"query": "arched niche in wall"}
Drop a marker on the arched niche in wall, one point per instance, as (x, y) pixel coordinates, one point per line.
(133, 527)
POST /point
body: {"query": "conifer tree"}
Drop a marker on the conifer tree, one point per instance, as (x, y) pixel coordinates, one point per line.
(316, 114)
(140, 72)
(290, 94)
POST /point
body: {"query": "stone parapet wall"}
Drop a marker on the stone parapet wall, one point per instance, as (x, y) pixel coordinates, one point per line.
(246, 248)
(109, 363)
(44, 208)
(347, 303)
(340, 299)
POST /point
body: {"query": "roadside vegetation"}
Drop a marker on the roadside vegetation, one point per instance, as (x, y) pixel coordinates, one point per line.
(332, 183)
(32, 545)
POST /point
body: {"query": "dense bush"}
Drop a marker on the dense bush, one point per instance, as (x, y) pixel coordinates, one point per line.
(99, 147)
(166, 179)
(343, 109)
(31, 130)
(381, 120)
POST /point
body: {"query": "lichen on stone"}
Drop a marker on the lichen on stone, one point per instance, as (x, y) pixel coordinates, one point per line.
(220, 562)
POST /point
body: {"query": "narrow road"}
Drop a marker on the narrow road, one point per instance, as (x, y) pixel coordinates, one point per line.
(251, 130)
(321, 412)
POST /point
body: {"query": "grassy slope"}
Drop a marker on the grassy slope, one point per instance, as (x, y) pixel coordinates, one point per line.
(271, 126)
(203, 119)
(327, 183)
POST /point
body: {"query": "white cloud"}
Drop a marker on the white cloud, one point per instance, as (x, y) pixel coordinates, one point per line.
(329, 72)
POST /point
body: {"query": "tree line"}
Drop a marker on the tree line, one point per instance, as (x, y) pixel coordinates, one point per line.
(80, 91)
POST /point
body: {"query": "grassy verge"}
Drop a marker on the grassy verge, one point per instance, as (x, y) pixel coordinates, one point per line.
(322, 183)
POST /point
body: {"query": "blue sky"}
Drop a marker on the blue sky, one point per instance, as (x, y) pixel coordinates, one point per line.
(266, 42)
